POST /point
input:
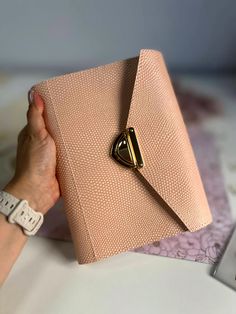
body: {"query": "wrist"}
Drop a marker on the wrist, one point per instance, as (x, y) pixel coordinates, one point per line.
(21, 191)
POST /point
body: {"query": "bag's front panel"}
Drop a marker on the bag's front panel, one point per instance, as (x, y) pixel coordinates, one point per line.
(115, 206)
(110, 208)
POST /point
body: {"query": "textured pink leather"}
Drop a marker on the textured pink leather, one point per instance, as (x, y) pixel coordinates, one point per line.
(111, 208)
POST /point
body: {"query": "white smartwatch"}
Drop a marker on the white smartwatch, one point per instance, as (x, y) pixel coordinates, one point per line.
(18, 211)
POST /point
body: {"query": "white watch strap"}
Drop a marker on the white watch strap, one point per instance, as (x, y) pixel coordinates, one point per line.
(19, 211)
(7, 202)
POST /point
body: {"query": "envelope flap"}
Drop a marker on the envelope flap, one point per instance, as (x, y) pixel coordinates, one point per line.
(169, 162)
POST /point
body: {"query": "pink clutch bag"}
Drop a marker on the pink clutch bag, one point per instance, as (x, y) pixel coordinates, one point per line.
(125, 165)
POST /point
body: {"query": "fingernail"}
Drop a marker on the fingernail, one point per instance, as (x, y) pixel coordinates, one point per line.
(31, 96)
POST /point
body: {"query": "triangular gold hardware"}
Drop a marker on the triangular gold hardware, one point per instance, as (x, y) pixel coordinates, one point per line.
(126, 149)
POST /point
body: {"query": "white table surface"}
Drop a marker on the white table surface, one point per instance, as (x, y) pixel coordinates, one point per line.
(47, 279)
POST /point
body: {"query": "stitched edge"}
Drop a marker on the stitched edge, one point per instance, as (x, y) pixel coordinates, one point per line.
(89, 236)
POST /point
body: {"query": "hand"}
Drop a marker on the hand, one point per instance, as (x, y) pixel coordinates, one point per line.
(35, 174)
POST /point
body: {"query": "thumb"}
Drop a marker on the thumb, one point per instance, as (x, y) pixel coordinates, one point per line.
(35, 118)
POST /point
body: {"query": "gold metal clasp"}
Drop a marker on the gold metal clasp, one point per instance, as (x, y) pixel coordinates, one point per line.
(126, 149)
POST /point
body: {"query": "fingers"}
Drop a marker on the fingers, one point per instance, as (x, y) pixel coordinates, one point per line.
(36, 123)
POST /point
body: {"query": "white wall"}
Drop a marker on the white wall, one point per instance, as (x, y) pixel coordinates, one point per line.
(81, 33)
